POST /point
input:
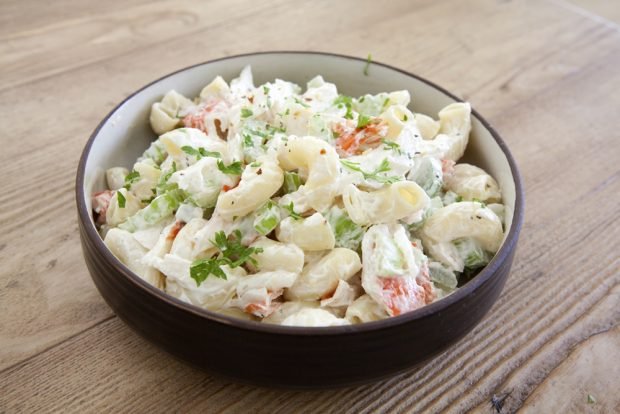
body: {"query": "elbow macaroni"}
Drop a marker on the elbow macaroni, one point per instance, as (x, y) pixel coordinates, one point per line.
(302, 208)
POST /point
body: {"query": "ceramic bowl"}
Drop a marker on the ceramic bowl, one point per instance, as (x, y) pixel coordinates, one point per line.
(275, 355)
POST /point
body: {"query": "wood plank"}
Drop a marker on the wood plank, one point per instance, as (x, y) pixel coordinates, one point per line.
(578, 379)
(606, 11)
(64, 43)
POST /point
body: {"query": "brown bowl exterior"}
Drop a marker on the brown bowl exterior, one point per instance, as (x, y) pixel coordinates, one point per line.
(295, 357)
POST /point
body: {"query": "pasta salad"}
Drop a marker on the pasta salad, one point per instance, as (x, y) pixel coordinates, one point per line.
(302, 208)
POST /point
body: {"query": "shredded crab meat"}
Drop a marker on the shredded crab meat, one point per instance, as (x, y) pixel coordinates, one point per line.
(101, 201)
(354, 141)
(196, 119)
(405, 294)
(266, 307)
(447, 166)
(174, 230)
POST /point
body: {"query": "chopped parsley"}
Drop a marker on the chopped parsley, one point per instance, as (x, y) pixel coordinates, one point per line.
(368, 61)
(391, 145)
(121, 199)
(363, 121)
(291, 211)
(232, 253)
(266, 89)
(373, 175)
(200, 152)
(201, 269)
(232, 169)
(131, 178)
(247, 140)
(162, 185)
(232, 250)
(343, 101)
(246, 113)
(299, 102)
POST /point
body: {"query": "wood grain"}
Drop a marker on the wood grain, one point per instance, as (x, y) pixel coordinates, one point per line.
(543, 73)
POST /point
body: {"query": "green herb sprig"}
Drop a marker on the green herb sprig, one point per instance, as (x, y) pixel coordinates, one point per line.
(232, 169)
(367, 66)
(200, 152)
(232, 253)
(131, 178)
(373, 175)
(347, 102)
(122, 201)
(291, 211)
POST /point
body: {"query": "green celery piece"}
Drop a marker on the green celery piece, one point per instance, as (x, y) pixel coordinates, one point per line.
(347, 233)
(371, 105)
(267, 218)
(161, 207)
(471, 253)
(427, 174)
(445, 278)
(156, 152)
(292, 182)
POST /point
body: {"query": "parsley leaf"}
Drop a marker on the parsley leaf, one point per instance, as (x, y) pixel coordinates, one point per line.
(299, 102)
(391, 145)
(232, 169)
(347, 102)
(200, 152)
(205, 153)
(162, 185)
(373, 175)
(201, 269)
(368, 61)
(265, 89)
(291, 211)
(131, 178)
(232, 253)
(363, 120)
(247, 140)
(246, 113)
(191, 151)
(121, 199)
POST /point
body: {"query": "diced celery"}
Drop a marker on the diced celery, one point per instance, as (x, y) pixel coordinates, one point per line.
(451, 197)
(347, 233)
(267, 218)
(155, 152)
(445, 278)
(436, 204)
(161, 207)
(372, 105)
(292, 182)
(426, 172)
(472, 254)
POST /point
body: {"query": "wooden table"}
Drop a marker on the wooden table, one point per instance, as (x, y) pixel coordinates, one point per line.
(546, 74)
